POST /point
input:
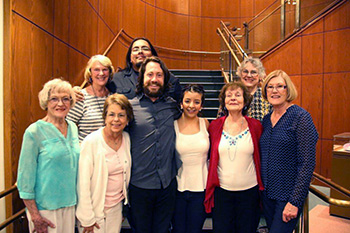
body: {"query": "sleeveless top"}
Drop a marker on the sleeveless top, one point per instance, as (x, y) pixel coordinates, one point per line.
(193, 150)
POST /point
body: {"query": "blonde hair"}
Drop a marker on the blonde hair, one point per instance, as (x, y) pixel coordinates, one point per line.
(105, 61)
(292, 92)
(57, 85)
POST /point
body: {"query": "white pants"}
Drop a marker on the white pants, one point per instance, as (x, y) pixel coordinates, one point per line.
(64, 220)
(112, 223)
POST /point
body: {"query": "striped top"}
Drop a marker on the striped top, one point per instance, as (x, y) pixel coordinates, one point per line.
(87, 114)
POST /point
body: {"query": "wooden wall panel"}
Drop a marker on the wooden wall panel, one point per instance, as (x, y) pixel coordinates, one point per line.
(337, 51)
(296, 79)
(108, 10)
(339, 18)
(336, 113)
(326, 158)
(318, 157)
(195, 8)
(312, 99)
(36, 11)
(247, 8)
(286, 58)
(133, 17)
(224, 8)
(174, 30)
(179, 6)
(261, 5)
(150, 23)
(76, 70)
(61, 20)
(315, 28)
(105, 37)
(312, 54)
(60, 60)
(83, 27)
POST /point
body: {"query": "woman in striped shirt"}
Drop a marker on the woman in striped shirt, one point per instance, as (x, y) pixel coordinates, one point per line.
(87, 114)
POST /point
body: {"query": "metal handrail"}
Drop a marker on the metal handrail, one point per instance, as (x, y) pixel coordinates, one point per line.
(228, 46)
(15, 216)
(234, 41)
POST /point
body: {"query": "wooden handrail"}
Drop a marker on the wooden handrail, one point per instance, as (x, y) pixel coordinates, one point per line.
(228, 46)
(234, 41)
(333, 185)
(112, 43)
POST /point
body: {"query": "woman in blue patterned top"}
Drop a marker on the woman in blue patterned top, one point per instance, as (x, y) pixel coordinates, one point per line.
(48, 163)
(288, 147)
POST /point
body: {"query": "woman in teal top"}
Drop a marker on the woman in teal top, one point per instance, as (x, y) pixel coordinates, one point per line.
(48, 164)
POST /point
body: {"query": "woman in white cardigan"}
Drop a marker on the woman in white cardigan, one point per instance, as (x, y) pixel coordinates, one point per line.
(104, 170)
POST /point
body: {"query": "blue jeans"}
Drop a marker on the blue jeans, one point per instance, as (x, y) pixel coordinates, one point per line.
(189, 213)
(273, 210)
(152, 209)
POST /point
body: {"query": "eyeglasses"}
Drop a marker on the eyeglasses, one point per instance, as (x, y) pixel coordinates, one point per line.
(253, 73)
(138, 49)
(119, 115)
(278, 88)
(64, 100)
(97, 70)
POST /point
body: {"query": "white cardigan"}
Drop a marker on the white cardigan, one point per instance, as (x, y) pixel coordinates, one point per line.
(93, 177)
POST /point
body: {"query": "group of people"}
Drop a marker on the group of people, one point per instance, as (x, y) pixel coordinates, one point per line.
(132, 145)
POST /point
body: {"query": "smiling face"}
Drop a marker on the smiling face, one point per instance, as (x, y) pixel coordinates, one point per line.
(139, 52)
(58, 105)
(116, 119)
(153, 81)
(250, 76)
(276, 91)
(99, 74)
(191, 103)
(234, 100)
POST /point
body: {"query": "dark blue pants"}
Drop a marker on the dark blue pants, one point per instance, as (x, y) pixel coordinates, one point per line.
(235, 211)
(189, 213)
(273, 210)
(152, 209)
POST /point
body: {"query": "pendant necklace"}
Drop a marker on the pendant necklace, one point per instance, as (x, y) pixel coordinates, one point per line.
(233, 141)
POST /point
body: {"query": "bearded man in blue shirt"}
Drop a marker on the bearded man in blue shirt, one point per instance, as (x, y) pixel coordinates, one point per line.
(152, 186)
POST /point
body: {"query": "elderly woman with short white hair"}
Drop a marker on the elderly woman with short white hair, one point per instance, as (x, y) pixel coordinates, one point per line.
(48, 164)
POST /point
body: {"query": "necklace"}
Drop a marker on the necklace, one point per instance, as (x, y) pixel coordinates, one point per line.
(233, 141)
(98, 102)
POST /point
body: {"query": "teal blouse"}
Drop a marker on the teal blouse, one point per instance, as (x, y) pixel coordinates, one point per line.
(48, 166)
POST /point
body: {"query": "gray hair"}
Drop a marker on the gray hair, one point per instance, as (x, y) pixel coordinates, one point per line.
(57, 85)
(256, 62)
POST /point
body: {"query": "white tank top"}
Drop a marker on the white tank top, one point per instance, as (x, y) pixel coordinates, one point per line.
(193, 150)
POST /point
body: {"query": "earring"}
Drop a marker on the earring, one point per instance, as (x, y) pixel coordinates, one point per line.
(90, 80)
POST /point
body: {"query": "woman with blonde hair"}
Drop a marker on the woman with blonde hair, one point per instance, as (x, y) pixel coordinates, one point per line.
(87, 114)
(48, 163)
(288, 147)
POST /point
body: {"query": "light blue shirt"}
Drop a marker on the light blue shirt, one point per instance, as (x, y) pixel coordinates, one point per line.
(48, 166)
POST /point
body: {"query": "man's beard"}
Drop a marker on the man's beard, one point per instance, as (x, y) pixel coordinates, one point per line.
(138, 65)
(157, 94)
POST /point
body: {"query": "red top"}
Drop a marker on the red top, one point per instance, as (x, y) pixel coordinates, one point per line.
(215, 131)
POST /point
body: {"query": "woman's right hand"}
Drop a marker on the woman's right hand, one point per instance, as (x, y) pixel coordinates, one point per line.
(90, 229)
(41, 224)
(78, 95)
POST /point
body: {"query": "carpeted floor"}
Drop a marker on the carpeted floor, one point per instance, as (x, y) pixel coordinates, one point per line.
(320, 221)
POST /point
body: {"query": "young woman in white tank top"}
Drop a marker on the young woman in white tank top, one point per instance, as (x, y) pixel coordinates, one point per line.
(192, 144)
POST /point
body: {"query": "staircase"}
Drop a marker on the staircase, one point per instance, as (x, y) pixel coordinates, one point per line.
(212, 82)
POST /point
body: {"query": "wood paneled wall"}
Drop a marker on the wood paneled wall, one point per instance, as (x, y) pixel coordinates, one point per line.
(318, 62)
(53, 38)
